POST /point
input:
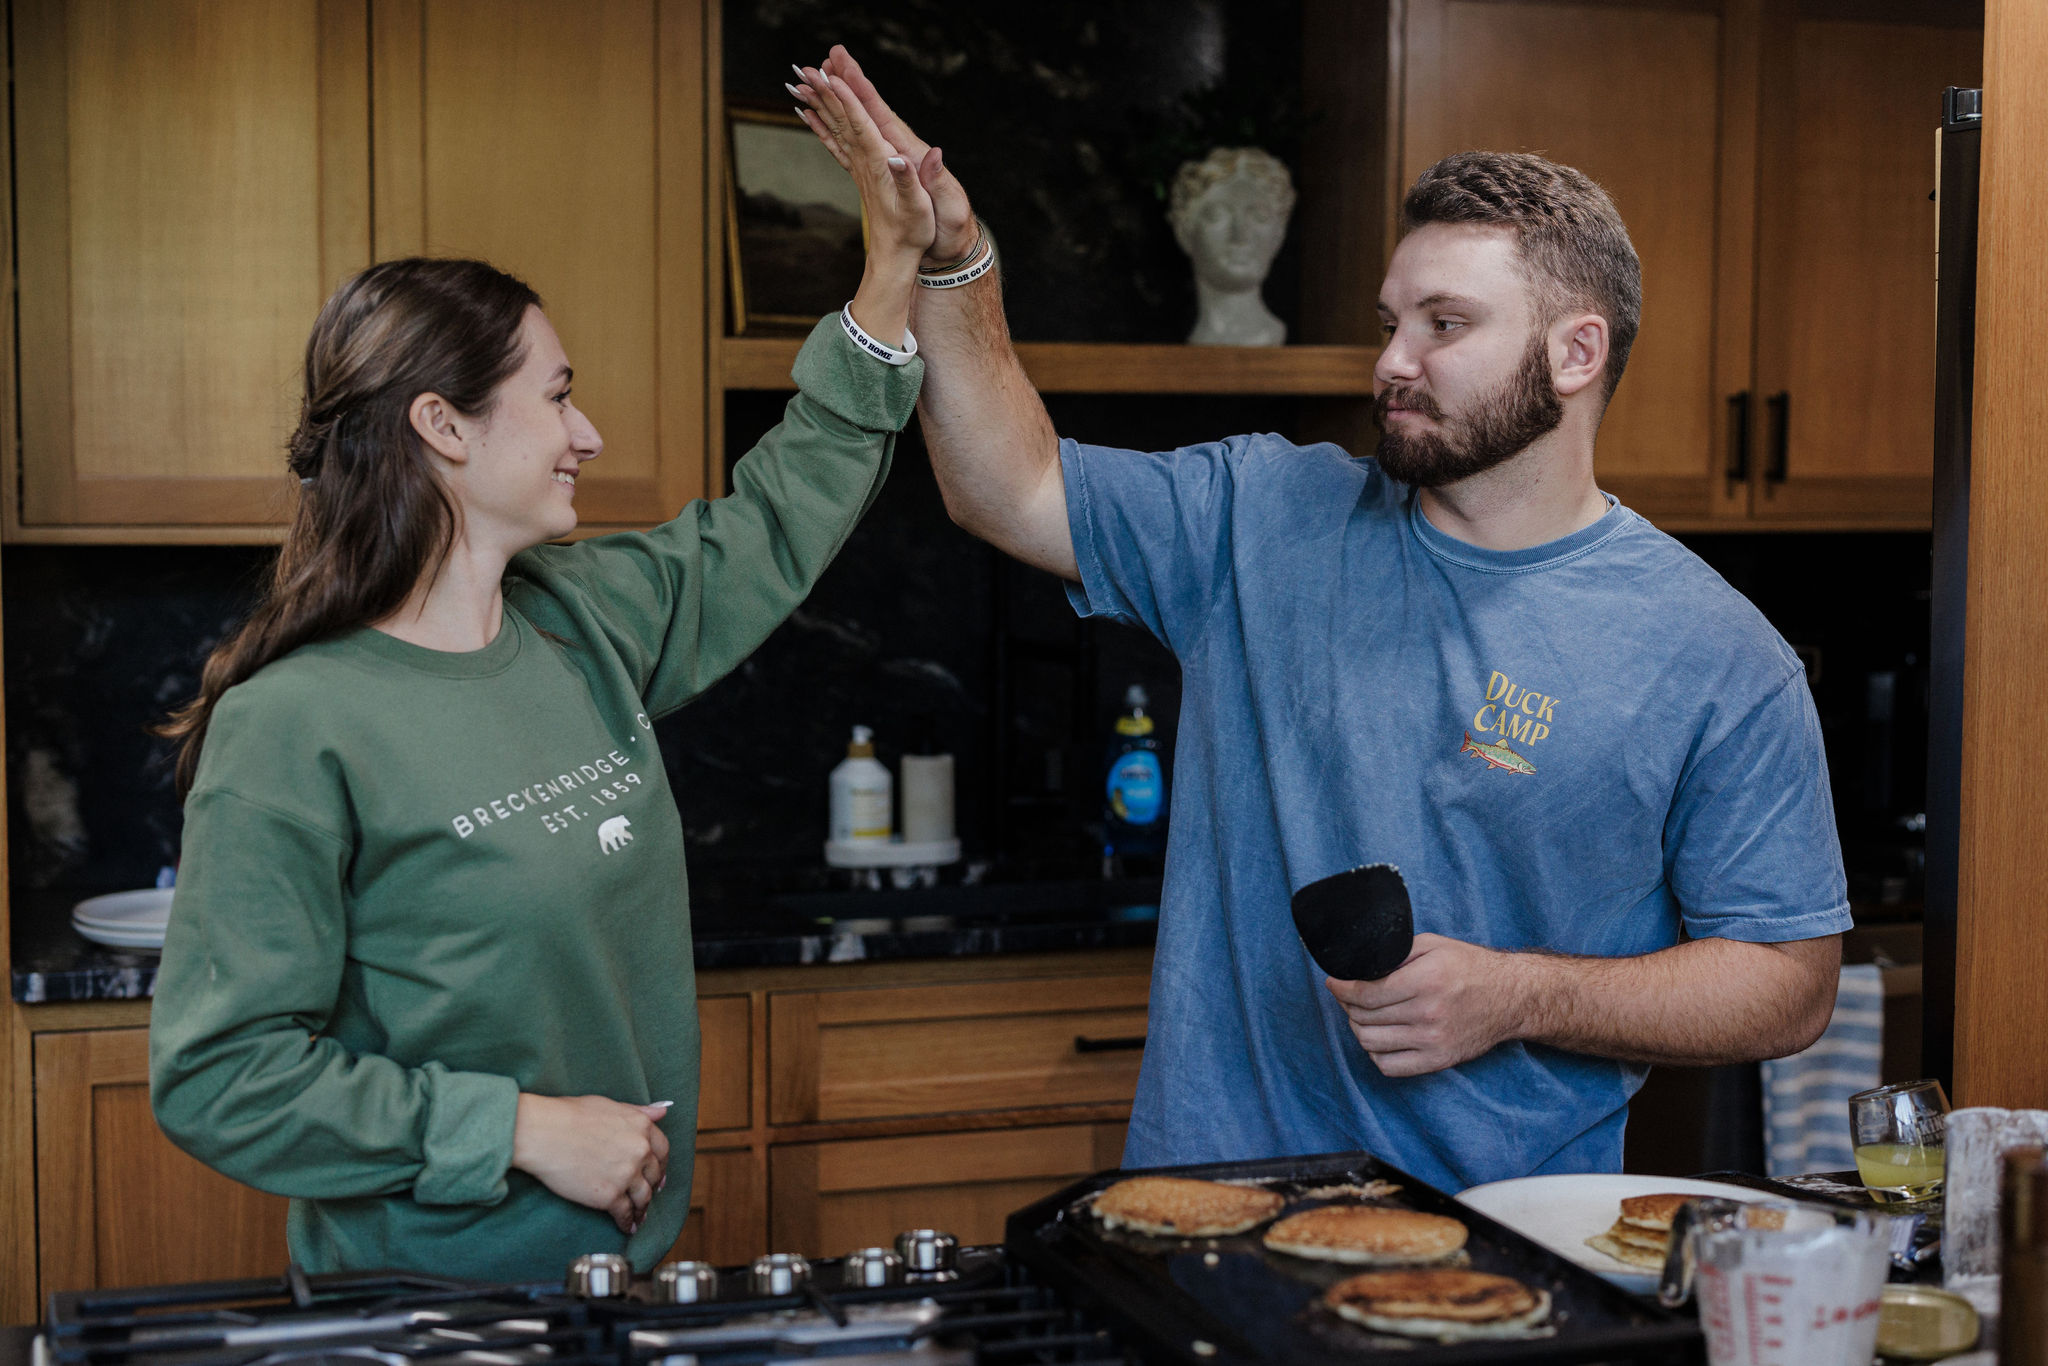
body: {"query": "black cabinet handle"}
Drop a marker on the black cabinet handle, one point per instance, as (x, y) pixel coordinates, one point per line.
(1738, 438)
(1128, 1044)
(1778, 410)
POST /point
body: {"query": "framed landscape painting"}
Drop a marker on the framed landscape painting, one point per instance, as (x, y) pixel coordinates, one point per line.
(796, 239)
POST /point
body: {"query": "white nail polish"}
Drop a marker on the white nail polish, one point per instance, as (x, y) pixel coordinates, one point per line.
(898, 162)
(799, 71)
(794, 93)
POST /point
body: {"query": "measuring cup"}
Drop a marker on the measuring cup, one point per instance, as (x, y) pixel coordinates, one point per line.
(1780, 1282)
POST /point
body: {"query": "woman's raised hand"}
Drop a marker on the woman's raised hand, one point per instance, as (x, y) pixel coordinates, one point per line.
(600, 1153)
(949, 198)
(901, 225)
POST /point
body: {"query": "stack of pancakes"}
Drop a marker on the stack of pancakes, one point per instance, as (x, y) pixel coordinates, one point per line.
(1447, 1304)
(1641, 1236)
(1175, 1207)
(1369, 1235)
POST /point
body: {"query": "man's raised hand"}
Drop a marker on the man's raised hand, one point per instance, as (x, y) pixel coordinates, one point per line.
(949, 199)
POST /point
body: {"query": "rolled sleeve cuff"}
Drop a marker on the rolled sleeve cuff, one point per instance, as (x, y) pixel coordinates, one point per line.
(853, 386)
(467, 1147)
(1092, 596)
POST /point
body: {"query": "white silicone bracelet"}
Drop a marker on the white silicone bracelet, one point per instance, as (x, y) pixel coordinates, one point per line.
(982, 263)
(871, 346)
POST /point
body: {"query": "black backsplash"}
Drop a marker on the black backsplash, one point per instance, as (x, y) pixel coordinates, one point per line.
(918, 630)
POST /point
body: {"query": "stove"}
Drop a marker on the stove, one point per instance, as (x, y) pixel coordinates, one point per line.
(927, 1301)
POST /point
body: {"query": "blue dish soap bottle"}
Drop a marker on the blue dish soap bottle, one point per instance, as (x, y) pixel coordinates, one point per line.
(1134, 795)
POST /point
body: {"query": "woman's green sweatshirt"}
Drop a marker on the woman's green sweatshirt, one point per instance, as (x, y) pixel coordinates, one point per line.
(415, 884)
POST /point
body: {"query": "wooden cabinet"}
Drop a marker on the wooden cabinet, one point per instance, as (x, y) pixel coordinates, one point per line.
(728, 1209)
(116, 1203)
(844, 1055)
(193, 178)
(830, 1198)
(1773, 163)
(1845, 315)
(941, 1093)
(119, 1204)
(568, 149)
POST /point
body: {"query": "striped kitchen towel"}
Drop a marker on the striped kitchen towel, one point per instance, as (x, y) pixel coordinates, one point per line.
(1806, 1096)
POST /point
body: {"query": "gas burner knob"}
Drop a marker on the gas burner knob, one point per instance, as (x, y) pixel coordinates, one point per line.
(871, 1268)
(780, 1273)
(686, 1283)
(928, 1252)
(600, 1276)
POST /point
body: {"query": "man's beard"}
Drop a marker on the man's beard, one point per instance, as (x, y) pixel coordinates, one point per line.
(1497, 426)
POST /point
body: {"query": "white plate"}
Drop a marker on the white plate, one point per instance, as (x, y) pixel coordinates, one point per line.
(125, 920)
(1562, 1212)
(146, 909)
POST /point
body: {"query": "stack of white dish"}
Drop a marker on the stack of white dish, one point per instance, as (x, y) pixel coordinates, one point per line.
(125, 920)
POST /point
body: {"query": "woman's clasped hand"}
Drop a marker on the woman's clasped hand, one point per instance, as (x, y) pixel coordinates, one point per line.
(595, 1152)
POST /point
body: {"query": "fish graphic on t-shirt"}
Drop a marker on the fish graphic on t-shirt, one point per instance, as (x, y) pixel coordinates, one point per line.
(1497, 755)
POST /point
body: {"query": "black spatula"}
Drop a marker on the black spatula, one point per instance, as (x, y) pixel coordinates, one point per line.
(1358, 924)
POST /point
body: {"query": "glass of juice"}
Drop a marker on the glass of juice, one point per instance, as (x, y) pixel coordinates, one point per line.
(1900, 1137)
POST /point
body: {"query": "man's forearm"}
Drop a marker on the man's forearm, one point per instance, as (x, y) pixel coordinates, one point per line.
(993, 448)
(1701, 1003)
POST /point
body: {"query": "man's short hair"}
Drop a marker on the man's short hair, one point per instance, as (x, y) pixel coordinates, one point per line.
(1575, 248)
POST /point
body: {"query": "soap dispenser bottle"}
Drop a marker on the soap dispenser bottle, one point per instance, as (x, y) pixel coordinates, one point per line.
(862, 794)
(1134, 794)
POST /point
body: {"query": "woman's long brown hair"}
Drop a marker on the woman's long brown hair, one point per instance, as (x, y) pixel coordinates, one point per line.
(373, 519)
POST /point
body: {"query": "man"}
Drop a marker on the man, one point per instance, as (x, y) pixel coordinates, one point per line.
(1460, 658)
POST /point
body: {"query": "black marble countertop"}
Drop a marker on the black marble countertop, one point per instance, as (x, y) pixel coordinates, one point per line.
(733, 929)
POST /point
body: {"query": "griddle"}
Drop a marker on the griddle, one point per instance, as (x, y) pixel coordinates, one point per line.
(1251, 1306)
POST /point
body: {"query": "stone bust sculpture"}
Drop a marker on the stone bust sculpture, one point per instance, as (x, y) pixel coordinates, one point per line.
(1229, 213)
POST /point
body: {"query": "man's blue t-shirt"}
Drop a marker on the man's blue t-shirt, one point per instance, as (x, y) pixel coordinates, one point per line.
(1576, 747)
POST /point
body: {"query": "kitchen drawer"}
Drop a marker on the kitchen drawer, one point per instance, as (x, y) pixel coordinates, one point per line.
(826, 1199)
(899, 1051)
(725, 1085)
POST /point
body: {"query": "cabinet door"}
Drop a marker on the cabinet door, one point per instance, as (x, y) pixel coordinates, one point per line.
(1845, 311)
(116, 1203)
(826, 1199)
(566, 144)
(1633, 95)
(192, 180)
(728, 1223)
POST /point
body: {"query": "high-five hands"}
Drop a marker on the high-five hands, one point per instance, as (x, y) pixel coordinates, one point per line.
(1448, 1003)
(955, 217)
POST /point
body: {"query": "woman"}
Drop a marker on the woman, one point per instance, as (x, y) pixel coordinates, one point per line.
(429, 971)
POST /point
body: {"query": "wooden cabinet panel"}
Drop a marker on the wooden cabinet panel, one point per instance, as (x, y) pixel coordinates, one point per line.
(116, 1203)
(1846, 291)
(862, 1054)
(192, 181)
(728, 1221)
(826, 1199)
(572, 155)
(724, 1088)
(1513, 76)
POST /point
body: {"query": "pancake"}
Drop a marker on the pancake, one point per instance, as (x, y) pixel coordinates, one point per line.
(1641, 1237)
(1176, 1207)
(1447, 1304)
(1654, 1212)
(1633, 1246)
(1368, 1236)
